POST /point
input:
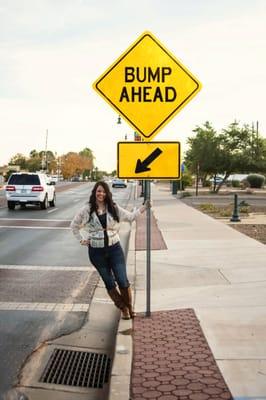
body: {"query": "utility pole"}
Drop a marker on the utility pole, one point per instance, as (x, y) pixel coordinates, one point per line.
(257, 136)
(46, 160)
(252, 141)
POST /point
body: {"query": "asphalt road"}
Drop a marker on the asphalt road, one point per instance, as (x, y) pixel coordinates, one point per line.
(46, 280)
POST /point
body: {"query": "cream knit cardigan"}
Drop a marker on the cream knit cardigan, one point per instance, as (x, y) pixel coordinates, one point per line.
(92, 230)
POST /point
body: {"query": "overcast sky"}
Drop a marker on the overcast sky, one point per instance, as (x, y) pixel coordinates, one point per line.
(51, 51)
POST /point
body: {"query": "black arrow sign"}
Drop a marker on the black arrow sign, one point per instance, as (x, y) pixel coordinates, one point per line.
(142, 166)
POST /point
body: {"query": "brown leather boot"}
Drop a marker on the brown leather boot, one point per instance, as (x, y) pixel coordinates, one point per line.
(127, 298)
(119, 302)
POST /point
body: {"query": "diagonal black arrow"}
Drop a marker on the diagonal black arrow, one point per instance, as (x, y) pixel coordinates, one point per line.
(143, 166)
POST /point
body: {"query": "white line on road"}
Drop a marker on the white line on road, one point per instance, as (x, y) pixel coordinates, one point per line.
(53, 210)
(47, 268)
(55, 307)
(102, 300)
(33, 227)
(35, 219)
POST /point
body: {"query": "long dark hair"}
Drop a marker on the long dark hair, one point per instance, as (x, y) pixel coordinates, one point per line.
(111, 206)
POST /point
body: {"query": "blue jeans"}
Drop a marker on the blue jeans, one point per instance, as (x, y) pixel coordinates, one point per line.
(110, 263)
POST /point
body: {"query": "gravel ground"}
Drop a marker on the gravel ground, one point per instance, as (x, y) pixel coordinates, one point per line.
(256, 231)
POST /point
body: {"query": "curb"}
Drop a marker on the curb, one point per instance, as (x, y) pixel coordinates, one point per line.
(121, 369)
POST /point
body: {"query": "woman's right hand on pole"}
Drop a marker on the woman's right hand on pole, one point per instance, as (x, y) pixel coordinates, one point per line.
(84, 242)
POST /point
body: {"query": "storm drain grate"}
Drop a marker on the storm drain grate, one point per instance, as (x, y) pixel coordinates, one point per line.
(77, 368)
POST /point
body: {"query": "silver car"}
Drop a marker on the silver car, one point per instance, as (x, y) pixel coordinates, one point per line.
(119, 183)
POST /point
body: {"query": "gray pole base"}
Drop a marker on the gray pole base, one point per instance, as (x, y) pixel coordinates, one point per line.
(235, 216)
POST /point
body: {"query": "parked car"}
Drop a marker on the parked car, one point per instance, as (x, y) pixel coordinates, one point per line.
(55, 178)
(217, 180)
(119, 183)
(76, 179)
(30, 188)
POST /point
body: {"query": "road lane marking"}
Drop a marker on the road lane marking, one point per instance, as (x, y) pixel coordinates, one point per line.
(35, 219)
(50, 211)
(34, 223)
(33, 227)
(52, 307)
(47, 268)
(102, 300)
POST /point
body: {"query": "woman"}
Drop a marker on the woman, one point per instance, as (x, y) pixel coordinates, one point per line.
(100, 218)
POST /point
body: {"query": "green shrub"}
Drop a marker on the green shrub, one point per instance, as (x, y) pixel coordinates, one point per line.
(244, 210)
(186, 194)
(243, 203)
(256, 180)
(186, 180)
(225, 212)
(208, 207)
(235, 183)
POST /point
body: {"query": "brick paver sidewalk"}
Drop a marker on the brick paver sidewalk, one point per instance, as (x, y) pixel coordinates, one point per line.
(157, 241)
(172, 359)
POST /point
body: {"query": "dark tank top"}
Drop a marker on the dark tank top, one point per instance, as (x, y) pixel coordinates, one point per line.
(102, 219)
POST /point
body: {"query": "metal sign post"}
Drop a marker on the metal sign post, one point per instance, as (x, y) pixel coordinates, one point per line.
(147, 85)
(148, 250)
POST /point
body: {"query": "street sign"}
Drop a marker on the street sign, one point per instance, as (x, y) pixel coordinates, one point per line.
(147, 85)
(148, 160)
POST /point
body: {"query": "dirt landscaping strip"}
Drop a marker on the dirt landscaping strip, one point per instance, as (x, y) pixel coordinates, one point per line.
(255, 231)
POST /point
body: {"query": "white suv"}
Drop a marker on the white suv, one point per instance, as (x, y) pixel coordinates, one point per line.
(30, 188)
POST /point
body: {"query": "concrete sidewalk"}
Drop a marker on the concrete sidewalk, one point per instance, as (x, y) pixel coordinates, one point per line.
(220, 275)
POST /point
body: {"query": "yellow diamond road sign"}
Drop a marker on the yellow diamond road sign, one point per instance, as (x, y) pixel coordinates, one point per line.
(147, 85)
(148, 160)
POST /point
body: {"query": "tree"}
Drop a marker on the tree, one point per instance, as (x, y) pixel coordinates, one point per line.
(74, 164)
(34, 161)
(70, 164)
(245, 151)
(262, 161)
(88, 153)
(48, 160)
(19, 159)
(88, 158)
(34, 164)
(236, 149)
(34, 154)
(203, 157)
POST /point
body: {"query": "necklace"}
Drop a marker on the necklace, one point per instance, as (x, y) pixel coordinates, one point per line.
(101, 211)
